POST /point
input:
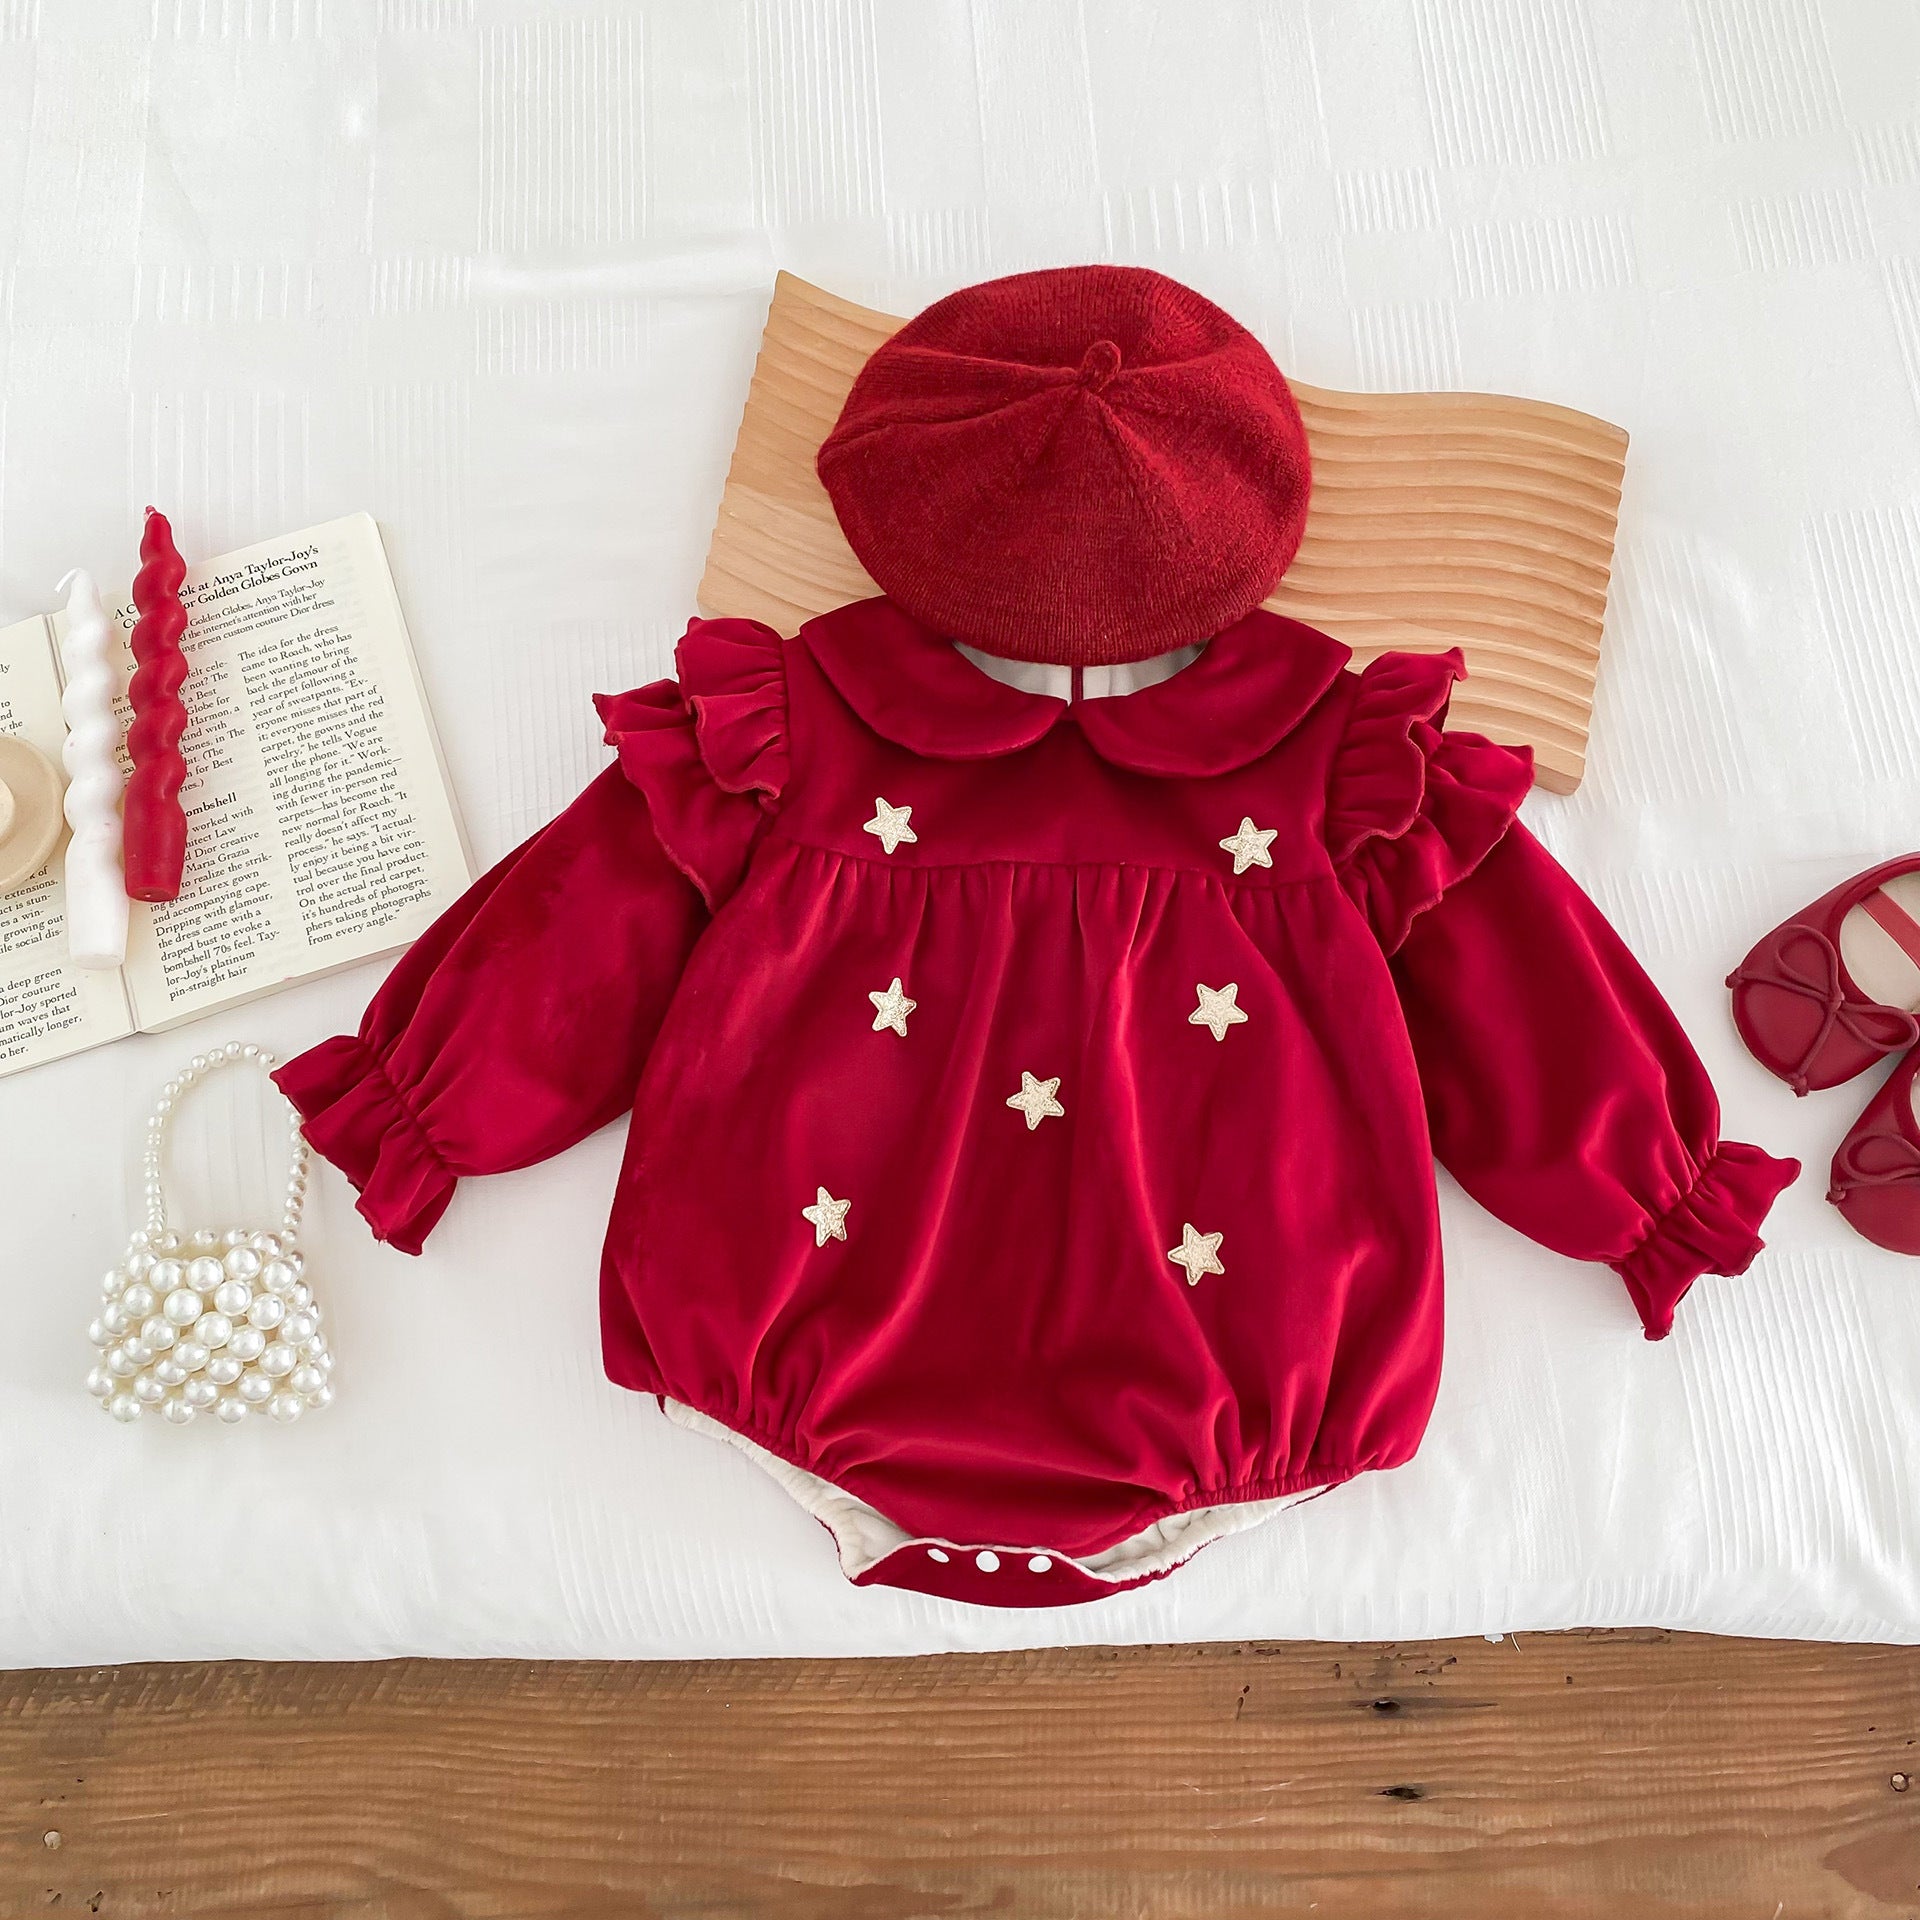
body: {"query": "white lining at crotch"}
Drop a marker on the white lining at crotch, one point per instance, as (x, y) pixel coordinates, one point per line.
(865, 1536)
(1096, 683)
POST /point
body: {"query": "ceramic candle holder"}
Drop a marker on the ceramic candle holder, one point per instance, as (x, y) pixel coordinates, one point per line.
(29, 810)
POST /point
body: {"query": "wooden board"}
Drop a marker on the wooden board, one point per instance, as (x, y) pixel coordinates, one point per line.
(1438, 520)
(1584, 1777)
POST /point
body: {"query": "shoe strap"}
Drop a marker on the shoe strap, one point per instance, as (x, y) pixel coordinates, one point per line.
(1896, 922)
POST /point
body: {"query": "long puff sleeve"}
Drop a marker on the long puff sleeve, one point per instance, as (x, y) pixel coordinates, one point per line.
(520, 1021)
(1560, 1090)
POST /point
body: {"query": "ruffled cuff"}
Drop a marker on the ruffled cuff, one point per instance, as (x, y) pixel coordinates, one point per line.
(1411, 810)
(353, 1114)
(709, 751)
(1711, 1228)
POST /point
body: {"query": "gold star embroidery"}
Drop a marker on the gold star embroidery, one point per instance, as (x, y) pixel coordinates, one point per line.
(1035, 1099)
(1198, 1252)
(890, 1009)
(1249, 846)
(1218, 1009)
(889, 825)
(828, 1216)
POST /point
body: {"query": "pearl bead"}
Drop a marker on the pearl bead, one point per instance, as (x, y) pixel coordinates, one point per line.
(179, 1412)
(232, 1297)
(116, 1319)
(233, 1237)
(243, 1263)
(119, 1362)
(199, 1393)
(300, 1327)
(123, 1406)
(254, 1387)
(318, 1354)
(277, 1360)
(204, 1240)
(182, 1307)
(167, 1242)
(301, 1296)
(286, 1406)
(148, 1391)
(110, 1286)
(168, 1371)
(267, 1245)
(99, 1333)
(191, 1355)
(203, 1275)
(138, 1300)
(166, 1275)
(306, 1379)
(223, 1369)
(231, 1411)
(213, 1329)
(249, 1051)
(157, 1333)
(137, 1238)
(266, 1311)
(100, 1383)
(139, 1353)
(138, 1263)
(320, 1397)
(278, 1276)
(248, 1343)
(198, 1064)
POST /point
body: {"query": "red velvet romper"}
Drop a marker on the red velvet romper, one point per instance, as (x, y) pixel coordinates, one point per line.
(1034, 1101)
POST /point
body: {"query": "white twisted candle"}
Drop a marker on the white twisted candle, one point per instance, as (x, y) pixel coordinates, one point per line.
(96, 886)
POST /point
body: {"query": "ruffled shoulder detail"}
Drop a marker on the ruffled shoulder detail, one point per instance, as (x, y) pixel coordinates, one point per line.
(734, 681)
(1412, 810)
(709, 750)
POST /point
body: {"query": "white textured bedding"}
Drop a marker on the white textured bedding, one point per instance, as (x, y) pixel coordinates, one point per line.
(495, 271)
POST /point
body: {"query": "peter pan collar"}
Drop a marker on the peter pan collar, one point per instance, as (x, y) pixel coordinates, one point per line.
(1251, 686)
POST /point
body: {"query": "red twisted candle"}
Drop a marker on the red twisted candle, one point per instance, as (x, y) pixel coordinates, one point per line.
(156, 828)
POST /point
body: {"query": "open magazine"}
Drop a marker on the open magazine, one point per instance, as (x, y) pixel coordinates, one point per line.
(321, 830)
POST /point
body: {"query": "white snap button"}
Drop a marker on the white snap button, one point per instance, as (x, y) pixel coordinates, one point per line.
(1039, 1563)
(938, 1553)
(987, 1560)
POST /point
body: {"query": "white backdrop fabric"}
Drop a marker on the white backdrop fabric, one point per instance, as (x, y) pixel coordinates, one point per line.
(496, 271)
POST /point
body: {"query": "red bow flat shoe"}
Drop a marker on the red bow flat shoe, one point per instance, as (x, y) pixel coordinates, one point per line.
(1833, 989)
(1876, 1172)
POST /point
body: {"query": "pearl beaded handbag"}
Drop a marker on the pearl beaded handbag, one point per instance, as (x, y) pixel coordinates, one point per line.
(204, 1321)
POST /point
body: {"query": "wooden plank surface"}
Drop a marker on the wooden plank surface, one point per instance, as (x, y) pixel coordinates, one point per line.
(1636, 1776)
(1476, 520)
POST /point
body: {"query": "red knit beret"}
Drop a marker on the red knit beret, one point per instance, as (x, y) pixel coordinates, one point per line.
(1080, 466)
